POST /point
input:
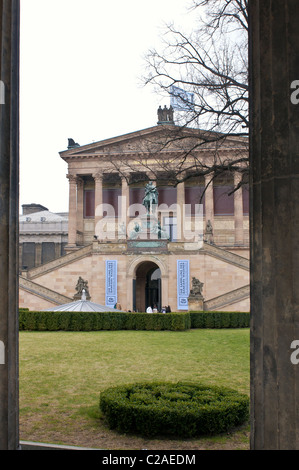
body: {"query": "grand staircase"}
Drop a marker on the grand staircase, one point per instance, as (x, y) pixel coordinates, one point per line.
(26, 279)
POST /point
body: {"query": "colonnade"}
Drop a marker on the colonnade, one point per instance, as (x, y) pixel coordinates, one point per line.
(76, 202)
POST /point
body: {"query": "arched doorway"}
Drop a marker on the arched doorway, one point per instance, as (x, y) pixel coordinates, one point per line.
(147, 286)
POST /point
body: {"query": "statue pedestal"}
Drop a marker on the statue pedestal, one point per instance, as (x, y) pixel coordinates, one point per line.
(150, 229)
(195, 303)
(148, 223)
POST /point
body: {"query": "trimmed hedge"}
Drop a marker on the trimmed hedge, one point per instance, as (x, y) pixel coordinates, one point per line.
(220, 319)
(95, 321)
(178, 410)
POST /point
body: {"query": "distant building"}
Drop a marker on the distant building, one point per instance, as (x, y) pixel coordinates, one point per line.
(43, 236)
(136, 255)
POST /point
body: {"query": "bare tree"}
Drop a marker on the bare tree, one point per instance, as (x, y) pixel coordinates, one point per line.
(210, 64)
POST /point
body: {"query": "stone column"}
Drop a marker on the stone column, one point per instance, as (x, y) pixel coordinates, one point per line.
(72, 222)
(9, 226)
(125, 202)
(274, 219)
(209, 199)
(98, 204)
(38, 254)
(238, 210)
(180, 211)
(79, 216)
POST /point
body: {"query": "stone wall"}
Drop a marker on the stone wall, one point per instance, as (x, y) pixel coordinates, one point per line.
(220, 271)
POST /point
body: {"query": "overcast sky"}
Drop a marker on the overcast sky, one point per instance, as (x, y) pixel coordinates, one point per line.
(81, 69)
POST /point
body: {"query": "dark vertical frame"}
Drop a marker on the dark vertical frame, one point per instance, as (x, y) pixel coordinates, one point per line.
(9, 223)
(274, 223)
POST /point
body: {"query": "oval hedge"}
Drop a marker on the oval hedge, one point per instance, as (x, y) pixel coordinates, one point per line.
(173, 409)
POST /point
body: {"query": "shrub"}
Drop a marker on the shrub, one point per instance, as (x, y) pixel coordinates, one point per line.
(220, 319)
(178, 410)
(95, 321)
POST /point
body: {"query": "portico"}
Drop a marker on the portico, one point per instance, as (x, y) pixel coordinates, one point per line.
(106, 187)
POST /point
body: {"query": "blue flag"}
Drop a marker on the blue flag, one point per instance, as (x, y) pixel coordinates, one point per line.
(181, 99)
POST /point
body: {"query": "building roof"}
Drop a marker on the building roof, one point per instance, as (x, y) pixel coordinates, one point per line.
(82, 305)
(42, 216)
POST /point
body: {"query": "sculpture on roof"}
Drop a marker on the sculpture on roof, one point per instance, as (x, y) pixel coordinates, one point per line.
(72, 144)
(165, 115)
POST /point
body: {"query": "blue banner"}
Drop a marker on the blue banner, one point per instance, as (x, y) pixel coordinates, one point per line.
(111, 283)
(183, 287)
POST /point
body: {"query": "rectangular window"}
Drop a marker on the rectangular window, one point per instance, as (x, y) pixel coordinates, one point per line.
(136, 198)
(110, 196)
(194, 195)
(223, 202)
(167, 195)
(89, 203)
(48, 252)
(28, 255)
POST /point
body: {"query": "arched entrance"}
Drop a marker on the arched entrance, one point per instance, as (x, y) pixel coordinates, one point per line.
(147, 286)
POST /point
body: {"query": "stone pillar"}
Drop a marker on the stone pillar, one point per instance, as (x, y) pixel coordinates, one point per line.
(209, 199)
(9, 226)
(274, 219)
(125, 203)
(180, 211)
(38, 254)
(72, 222)
(79, 216)
(238, 210)
(98, 204)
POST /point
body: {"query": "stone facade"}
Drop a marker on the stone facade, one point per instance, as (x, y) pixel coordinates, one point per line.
(108, 222)
(42, 236)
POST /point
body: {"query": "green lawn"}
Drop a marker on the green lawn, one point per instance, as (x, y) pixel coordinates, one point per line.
(63, 373)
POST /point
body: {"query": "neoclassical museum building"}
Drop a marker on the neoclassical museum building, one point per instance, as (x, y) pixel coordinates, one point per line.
(151, 215)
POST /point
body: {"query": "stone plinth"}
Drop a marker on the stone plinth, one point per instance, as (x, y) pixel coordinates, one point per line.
(195, 303)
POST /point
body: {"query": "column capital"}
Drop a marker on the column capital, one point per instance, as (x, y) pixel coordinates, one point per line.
(238, 176)
(124, 178)
(98, 177)
(72, 178)
(209, 177)
(80, 181)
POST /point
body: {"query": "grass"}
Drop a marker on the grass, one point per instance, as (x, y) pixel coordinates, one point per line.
(63, 373)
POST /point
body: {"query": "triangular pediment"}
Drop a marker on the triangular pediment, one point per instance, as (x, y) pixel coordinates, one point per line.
(157, 139)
